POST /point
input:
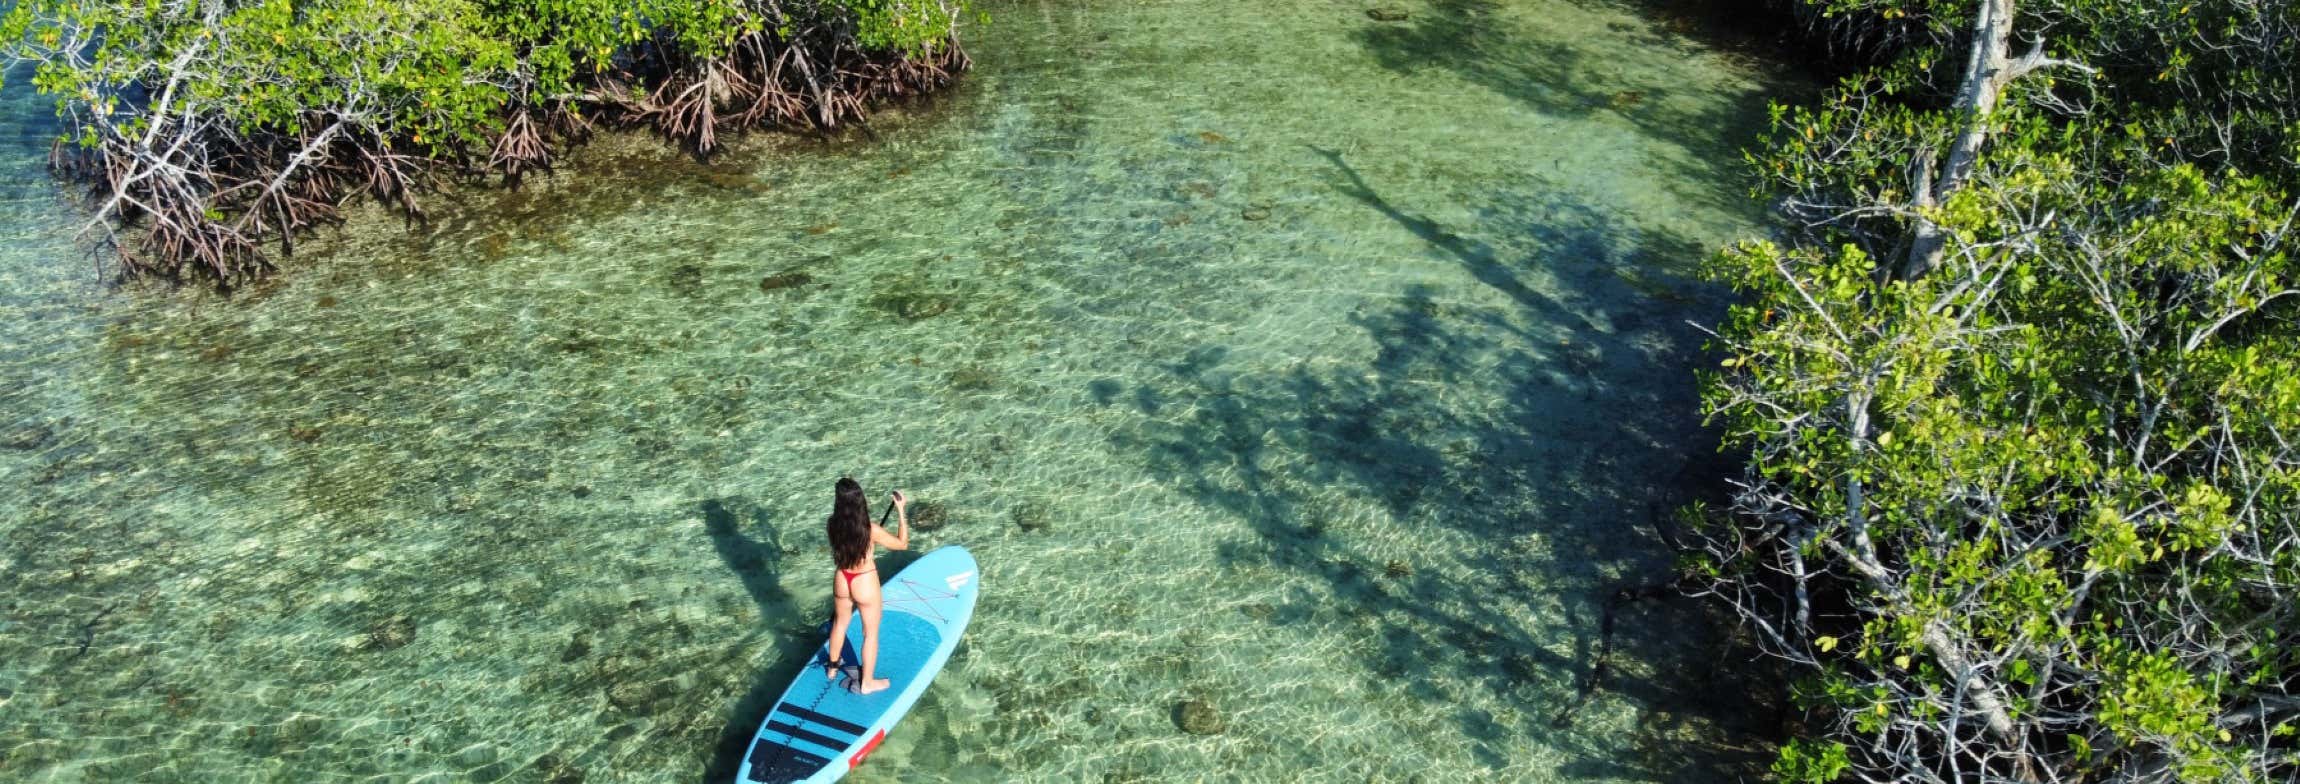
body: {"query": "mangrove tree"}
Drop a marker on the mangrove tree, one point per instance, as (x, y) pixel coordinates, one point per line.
(2019, 392)
(206, 131)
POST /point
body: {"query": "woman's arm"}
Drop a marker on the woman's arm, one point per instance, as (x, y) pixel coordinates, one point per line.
(899, 541)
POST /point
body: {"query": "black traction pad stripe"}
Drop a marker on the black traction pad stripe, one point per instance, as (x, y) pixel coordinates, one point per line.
(801, 733)
(832, 722)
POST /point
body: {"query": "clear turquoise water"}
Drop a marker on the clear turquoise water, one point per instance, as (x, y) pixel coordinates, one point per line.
(1324, 369)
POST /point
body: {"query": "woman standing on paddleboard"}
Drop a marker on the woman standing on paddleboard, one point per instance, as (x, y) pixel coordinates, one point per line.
(853, 539)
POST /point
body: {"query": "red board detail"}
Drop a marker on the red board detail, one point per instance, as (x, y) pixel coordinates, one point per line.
(857, 759)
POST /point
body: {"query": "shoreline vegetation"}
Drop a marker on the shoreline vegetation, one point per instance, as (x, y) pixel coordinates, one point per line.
(208, 134)
(2017, 387)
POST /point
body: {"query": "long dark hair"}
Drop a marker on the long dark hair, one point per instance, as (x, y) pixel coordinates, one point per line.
(849, 526)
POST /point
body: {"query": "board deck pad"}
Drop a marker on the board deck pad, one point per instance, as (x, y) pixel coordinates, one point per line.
(819, 730)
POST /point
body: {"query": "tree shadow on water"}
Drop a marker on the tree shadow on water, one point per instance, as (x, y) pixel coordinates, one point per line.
(1543, 435)
(1566, 237)
(1462, 36)
(1578, 73)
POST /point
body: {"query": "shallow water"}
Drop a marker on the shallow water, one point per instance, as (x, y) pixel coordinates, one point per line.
(1324, 369)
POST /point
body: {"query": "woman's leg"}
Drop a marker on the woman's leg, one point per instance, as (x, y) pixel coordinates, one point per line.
(870, 601)
(842, 611)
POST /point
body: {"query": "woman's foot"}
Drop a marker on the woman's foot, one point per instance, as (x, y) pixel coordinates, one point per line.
(872, 686)
(832, 668)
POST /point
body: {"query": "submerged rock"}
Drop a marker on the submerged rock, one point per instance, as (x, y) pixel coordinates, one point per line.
(1387, 14)
(32, 437)
(462, 502)
(1256, 212)
(1031, 516)
(1198, 717)
(558, 771)
(785, 280)
(928, 515)
(923, 307)
(391, 633)
(1104, 390)
(300, 728)
(578, 647)
(638, 697)
(686, 280)
(51, 473)
(1397, 569)
(738, 183)
(912, 306)
(973, 378)
(1522, 669)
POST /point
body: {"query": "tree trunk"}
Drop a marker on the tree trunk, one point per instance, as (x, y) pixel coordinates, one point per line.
(1986, 72)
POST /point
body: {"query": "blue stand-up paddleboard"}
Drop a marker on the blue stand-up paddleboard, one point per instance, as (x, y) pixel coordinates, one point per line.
(819, 730)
